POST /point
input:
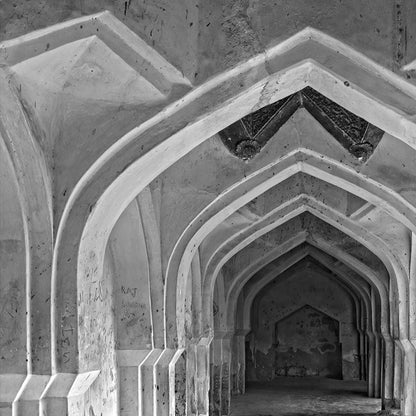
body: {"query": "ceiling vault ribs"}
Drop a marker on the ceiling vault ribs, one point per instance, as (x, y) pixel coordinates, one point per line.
(247, 136)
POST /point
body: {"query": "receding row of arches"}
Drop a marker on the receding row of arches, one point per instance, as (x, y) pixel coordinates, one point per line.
(179, 269)
(299, 219)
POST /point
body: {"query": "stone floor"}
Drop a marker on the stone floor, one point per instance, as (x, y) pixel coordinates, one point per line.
(293, 396)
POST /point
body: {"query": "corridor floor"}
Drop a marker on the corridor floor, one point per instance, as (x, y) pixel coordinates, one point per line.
(309, 396)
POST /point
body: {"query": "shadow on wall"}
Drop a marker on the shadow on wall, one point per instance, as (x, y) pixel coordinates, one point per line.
(306, 344)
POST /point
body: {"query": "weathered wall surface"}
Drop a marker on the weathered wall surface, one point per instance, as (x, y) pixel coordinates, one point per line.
(231, 31)
(131, 285)
(164, 24)
(306, 354)
(307, 344)
(216, 34)
(12, 273)
(82, 96)
(97, 339)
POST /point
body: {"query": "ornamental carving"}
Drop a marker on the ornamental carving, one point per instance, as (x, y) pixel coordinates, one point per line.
(246, 137)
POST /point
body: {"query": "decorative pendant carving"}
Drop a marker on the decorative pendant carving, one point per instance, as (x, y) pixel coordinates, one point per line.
(246, 137)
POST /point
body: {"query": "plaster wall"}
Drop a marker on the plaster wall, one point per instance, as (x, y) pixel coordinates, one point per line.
(210, 169)
(97, 341)
(164, 24)
(245, 27)
(131, 282)
(383, 29)
(217, 34)
(104, 302)
(277, 301)
(13, 285)
(307, 344)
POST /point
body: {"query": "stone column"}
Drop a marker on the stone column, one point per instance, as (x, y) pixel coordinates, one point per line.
(397, 374)
(220, 392)
(129, 362)
(239, 362)
(377, 364)
(147, 383)
(27, 401)
(409, 379)
(366, 356)
(162, 382)
(225, 373)
(371, 363)
(55, 398)
(177, 383)
(215, 376)
(388, 372)
(190, 379)
(362, 354)
(382, 366)
(202, 378)
(197, 378)
(10, 384)
(409, 387)
(59, 394)
(80, 392)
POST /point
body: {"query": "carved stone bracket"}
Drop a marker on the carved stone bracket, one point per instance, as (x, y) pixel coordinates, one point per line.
(246, 137)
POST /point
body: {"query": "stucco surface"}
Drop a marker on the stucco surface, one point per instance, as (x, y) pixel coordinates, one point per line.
(216, 34)
(145, 266)
(283, 330)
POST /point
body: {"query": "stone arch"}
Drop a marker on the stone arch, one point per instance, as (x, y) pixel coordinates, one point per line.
(121, 173)
(15, 327)
(356, 266)
(309, 251)
(352, 263)
(299, 252)
(84, 189)
(29, 175)
(386, 324)
(105, 188)
(291, 211)
(215, 219)
(355, 289)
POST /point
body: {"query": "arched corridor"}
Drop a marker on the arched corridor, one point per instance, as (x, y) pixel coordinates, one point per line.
(190, 232)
